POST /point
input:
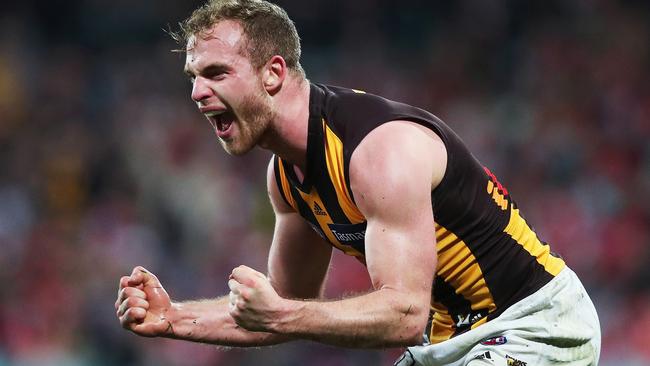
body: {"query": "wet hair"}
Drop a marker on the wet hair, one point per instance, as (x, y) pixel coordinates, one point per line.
(267, 28)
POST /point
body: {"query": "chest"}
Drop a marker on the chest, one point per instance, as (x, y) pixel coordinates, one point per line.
(335, 219)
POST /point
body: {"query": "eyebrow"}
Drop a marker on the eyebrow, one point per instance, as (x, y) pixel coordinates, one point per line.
(213, 68)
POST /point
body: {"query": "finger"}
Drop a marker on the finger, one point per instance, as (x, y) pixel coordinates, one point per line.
(123, 282)
(132, 316)
(139, 269)
(245, 275)
(245, 293)
(234, 286)
(232, 298)
(132, 302)
(141, 277)
(136, 279)
(232, 309)
(239, 271)
(130, 292)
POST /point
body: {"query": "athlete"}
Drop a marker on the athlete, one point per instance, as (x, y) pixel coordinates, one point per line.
(447, 249)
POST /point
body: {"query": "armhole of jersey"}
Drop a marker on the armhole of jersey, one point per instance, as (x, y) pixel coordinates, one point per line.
(282, 183)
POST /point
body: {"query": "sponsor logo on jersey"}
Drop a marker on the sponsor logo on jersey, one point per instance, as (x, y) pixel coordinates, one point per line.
(319, 210)
(495, 341)
(511, 361)
(353, 235)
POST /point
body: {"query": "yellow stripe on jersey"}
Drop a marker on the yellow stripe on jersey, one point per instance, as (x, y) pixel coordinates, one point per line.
(442, 325)
(313, 198)
(286, 187)
(482, 321)
(519, 230)
(336, 170)
(458, 267)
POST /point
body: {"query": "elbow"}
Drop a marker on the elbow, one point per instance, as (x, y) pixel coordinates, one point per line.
(412, 335)
(412, 325)
(410, 316)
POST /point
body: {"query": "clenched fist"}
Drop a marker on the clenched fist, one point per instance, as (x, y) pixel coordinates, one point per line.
(142, 304)
(254, 303)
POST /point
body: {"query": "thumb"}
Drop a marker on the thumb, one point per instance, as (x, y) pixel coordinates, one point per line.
(156, 294)
(141, 276)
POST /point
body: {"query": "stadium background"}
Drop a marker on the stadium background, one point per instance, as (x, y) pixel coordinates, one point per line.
(105, 163)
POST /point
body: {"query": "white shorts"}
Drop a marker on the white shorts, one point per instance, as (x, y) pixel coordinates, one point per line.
(557, 325)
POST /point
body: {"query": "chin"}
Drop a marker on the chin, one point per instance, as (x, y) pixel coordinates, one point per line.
(234, 150)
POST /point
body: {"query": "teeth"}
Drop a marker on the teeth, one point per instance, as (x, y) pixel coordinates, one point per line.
(214, 113)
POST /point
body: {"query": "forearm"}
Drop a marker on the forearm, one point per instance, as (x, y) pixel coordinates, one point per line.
(208, 321)
(383, 318)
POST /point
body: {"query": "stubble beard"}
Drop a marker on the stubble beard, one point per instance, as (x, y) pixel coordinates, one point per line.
(253, 119)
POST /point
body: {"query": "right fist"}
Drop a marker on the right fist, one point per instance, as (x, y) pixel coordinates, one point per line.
(142, 304)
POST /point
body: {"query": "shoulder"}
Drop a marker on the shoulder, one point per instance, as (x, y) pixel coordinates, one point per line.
(354, 114)
(396, 158)
(278, 200)
(346, 104)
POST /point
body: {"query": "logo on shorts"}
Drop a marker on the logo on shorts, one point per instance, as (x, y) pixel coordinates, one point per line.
(495, 341)
(511, 361)
(483, 356)
(466, 320)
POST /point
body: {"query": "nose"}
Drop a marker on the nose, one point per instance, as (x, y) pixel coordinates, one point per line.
(200, 89)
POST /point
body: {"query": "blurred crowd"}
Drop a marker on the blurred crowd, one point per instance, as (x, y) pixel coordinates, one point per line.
(105, 163)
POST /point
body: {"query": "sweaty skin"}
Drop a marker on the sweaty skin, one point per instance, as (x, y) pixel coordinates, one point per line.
(286, 304)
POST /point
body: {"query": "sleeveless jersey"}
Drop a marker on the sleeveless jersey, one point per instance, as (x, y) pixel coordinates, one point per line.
(488, 256)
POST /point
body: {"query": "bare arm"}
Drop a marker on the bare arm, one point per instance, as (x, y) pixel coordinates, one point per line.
(298, 263)
(400, 250)
(299, 258)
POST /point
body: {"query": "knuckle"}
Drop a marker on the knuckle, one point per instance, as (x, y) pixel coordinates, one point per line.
(245, 295)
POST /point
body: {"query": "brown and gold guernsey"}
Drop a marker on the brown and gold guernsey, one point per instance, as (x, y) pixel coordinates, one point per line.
(488, 256)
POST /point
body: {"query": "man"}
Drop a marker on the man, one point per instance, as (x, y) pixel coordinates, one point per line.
(382, 181)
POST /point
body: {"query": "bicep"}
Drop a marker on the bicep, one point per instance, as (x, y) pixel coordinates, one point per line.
(400, 246)
(400, 238)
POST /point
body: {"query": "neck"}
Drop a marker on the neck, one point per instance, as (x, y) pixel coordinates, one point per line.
(287, 134)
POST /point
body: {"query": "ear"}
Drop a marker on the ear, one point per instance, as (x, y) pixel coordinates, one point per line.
(274, 73)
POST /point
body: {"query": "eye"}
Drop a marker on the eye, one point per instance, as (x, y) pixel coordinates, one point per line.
(216, 75)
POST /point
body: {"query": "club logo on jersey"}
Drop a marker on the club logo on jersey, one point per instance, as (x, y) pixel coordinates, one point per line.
(495, 341)
(511, 361)
(319, 210)
(353, 235)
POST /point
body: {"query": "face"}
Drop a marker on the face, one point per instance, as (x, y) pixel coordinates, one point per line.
(227, 88)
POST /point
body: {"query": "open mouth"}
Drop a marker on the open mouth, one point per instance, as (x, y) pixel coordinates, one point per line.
(222, 122)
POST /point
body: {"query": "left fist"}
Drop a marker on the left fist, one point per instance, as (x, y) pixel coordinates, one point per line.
(254, 303)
